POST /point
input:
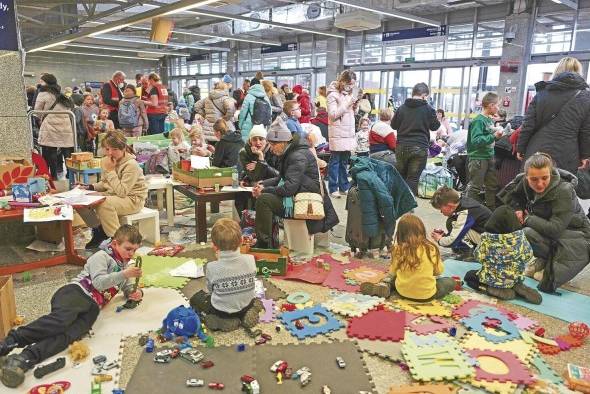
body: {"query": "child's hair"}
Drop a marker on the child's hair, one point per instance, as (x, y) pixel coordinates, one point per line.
(129, 87)
(103, 110)
(489, 98)
(115, 139)
(538, 160)
(364, 120)
(226, 234)
(421, 89)
(221, 126)
(177, 132)
(444, 195)
(441, 112)
(288, 106)
(128, 233)
(385, 114)
(410, 236)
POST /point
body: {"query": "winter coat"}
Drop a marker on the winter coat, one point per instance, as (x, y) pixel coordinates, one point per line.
(216, 106)
(341, 127)
(321, 120)
(556, 215)
(299, 170)
(227, 150)
(245, 118)
(276, 104)
(382, 137)
(264, 169)
(305, 103)
(55, 130)
(566, 139)
(413, 122)
(383, 192)
(126, 180)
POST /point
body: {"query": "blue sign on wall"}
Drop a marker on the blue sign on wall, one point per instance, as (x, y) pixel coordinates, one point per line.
(198, 58)
(415, 33)
(277, 49)
(8, 32)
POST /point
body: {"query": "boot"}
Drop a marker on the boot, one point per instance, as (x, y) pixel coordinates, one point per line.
(529, 294)
(502, 294)
(98, 236)
(224, 324)
(7, 345)
(13, 370)
(535, 265)
(250, 318)
(380, 289)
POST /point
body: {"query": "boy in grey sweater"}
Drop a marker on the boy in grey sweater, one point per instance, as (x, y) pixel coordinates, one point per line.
(74, 307)
(230, 282)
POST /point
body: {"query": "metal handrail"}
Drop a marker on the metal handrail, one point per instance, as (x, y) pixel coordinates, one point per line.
(52, 112)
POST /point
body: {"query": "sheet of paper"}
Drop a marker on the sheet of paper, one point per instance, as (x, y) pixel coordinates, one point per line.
(240, 188)
(75, 192)
(143, 251)
(198, 162)
(42, 246)
(48, 214)
(190, 269)
(83, 200)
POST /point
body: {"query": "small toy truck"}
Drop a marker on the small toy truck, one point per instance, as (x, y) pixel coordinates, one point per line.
(195, 383)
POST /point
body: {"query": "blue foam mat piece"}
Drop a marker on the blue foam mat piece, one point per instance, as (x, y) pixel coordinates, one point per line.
(568, 306)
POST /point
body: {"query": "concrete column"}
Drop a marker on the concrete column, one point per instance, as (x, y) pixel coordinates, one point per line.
(334, 59)
(515, 54)
(232, 61)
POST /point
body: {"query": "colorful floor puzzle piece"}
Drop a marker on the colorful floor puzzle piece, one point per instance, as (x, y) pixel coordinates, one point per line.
(388, 350)
(365, 274)
(544, 371)
(307, 272)
(352, 304)
(156, 271)
(476, 323)
(336, 280)
(309, 317)
(381, 324)
(269, 311)
(424, 389)
(436, 339)
(522, 349)
(488, 371)
(428, 325)
(437, 363)
(524, 322)
(432, 308)
(469, 307)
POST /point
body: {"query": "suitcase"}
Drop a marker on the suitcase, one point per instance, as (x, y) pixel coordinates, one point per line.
(355, 236)
(507, 171)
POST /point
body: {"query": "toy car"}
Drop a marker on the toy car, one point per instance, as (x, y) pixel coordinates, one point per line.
(279, 366)
(216, 386)
(247, 379)
(255, 387)
(305, 378)
(195, 383)
(99, 359)
(111, 365)
(303, 370)
(299, 325)
(326, 390)
(191, 355)
(340, 362)
(165, 352)
(162, 359)
(207, 364)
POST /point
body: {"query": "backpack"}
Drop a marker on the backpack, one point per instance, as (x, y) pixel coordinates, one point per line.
(128, 114)
(182, 322)
(432, 178)
(262, 112)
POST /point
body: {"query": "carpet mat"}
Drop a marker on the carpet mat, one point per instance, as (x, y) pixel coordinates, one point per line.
(156, 271)
(553, 305)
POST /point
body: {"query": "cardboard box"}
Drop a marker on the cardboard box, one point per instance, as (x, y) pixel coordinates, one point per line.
(7, 305)
(265, 267)
(82, 156)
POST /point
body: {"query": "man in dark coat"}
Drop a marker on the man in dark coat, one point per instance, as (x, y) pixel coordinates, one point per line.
(298, 173)
(557, 122)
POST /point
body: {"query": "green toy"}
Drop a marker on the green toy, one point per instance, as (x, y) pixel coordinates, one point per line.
(132, 304)
(95, 388)
(27, 276)
(452, 299)
(210, 342)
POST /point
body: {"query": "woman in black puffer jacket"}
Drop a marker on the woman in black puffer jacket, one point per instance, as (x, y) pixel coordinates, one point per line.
(557, 121)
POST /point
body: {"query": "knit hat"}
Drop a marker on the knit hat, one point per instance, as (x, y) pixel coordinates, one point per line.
(298, 89)
(49, 79)
(227, 79)
(257, 131)
(503, 221)
(279, 132)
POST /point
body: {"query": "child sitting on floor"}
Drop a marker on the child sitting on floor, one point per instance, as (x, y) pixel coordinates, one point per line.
(198, 145)
(415, 265)
(74, 307)
(504, 252)
(178, 149)
(230, 282)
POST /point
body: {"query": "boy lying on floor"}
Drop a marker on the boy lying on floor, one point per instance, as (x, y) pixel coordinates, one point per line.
(74, 307)
(230, 281)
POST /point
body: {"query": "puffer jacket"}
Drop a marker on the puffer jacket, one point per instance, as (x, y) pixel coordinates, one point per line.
(384, 194)
(126, 181)
(216, 106)
(305, 103)
(276, 104)
(264, 169)
(299, 170)
(245, 118)
(341, 126)
(571, 128)
(56, 130)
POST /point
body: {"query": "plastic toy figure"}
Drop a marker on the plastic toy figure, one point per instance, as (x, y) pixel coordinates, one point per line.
(207, 364)
(149, 346)
(279, 378)
(216, 386)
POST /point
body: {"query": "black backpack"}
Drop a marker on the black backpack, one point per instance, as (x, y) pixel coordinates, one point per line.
(262, 112)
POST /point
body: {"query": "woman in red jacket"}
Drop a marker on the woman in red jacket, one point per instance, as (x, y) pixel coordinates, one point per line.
(304, 103)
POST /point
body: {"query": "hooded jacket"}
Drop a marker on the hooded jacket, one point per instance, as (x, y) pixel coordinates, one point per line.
(469, 215)
(245, 118)
(227, 150)
(305, 103)
(218, 105)
(341, 126)
(299, 170)
(55, 130)
(413, 122)
(264, 169)
(571, 129)
(126, 180)
(383, 193)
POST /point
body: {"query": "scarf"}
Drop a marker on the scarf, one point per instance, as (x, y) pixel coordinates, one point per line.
(288, 204)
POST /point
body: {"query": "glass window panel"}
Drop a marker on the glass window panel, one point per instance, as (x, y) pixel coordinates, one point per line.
(352, 49)
(244, 60)
(582, 42)
(429, 51)
(215, 63)
(289, 61)
(489, 39)
(553, 32)
(320, 53)
(459, 41)
(256, 63)
(373, 48)
(305, 49)
(397, 53)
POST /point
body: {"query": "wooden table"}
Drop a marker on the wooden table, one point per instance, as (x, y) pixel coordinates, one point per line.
(70, 256)
(201, 199)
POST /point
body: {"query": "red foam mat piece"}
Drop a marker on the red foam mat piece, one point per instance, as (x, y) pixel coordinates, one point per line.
(381, 325)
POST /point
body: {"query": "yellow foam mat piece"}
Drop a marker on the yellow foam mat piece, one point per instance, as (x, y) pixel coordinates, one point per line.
(521, 349)
(434, 308)
(495, 387)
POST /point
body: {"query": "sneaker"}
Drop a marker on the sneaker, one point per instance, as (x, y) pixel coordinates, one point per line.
(13, 370)
(335, 195)
(380, 289)
(529, 294)
(98, 236)
(250, 318)
(225, 324)
(7, 345)
(502, 294)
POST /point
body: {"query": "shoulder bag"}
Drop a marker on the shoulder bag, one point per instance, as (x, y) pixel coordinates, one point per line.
(310, 206)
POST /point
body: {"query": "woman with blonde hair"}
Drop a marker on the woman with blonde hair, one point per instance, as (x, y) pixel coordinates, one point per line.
(273, 95)
(557, 120)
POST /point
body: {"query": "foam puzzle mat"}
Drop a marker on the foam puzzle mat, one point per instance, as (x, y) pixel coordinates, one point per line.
(156, 271)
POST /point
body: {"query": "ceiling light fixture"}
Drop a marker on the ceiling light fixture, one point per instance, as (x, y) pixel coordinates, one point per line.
(170, 44)
(102, 55)
(109, 48)
(391, 13)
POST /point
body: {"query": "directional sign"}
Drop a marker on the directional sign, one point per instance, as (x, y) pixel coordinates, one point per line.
(8, 32)
(416, 35)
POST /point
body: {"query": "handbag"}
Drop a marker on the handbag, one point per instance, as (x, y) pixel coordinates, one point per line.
(583, 188)
(309, 206)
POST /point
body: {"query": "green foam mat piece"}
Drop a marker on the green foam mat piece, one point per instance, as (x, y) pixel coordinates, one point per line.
(156, 271)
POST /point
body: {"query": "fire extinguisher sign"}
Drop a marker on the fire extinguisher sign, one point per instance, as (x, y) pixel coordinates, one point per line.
(506, 101)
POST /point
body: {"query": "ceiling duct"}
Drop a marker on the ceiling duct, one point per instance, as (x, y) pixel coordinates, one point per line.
(357, 21)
